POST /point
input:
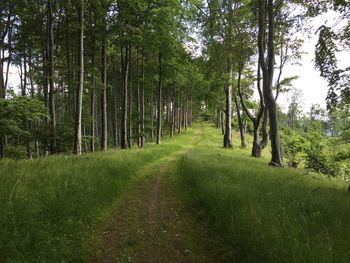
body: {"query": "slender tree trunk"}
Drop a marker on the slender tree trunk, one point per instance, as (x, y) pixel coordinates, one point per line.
(222, 120)
(46, 99)
(104, 96)
(124, 113)
(138, 99)
(217, 119)
(9, 59)
(179, 115)
(30, 75)
(23, 73)
(79, 97)
(190, 117)
(152, 116)
(228, 109)
(130, 104)
(117, 103)
(85, 142)
(240, 124)
(51, 81)
(2, 81)
(92, 102)
(142, 102)
(172, 121)
(69, 76)
(186, 113)
(268, 72)
(159, 117)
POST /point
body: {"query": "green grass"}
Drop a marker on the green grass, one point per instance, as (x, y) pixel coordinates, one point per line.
(266, 214)
(50, 207)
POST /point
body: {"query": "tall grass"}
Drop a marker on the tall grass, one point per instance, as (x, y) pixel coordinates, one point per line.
(267, 214)
(51, 206)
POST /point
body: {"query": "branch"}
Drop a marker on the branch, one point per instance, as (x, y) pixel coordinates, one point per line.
(283, 60)
(220, 105)
(244, 106)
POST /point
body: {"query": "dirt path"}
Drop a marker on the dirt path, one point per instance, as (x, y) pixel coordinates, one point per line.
(152, 224)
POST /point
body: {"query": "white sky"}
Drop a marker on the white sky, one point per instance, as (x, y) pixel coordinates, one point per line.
(313, 87)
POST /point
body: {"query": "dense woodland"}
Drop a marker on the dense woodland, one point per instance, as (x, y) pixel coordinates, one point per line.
(94, 75)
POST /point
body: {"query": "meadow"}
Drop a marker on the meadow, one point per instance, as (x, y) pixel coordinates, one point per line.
(262, 213)
(51, 207)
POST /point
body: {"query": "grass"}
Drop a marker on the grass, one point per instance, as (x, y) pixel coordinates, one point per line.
(50, 207)
(266, 214)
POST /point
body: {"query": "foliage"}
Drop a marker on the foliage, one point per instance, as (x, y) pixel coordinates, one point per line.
(294, 146)
(330, 42)
(17, 111)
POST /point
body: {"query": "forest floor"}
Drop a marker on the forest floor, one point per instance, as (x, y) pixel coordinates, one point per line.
(152, 224)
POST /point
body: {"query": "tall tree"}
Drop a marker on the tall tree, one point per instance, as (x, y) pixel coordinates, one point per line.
(104, 94)
(79, 92)
(50, 74)
(159, 102)
(266, 15)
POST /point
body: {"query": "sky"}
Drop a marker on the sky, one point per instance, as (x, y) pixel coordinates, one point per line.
(313, 87)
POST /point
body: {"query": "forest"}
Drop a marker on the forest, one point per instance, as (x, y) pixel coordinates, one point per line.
(159, 131)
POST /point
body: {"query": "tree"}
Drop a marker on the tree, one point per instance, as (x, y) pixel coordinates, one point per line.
(294, 109)
(79, 95)
(159, 102)
(266, 14)
(104, 94)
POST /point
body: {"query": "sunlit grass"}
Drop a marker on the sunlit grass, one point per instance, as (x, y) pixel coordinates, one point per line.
(266, 214)
(51, 206)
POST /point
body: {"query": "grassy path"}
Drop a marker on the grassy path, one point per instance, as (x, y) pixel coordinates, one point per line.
(152, 224)
(186, 200)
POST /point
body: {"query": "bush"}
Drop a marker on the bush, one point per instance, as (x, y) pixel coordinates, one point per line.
(293, 147)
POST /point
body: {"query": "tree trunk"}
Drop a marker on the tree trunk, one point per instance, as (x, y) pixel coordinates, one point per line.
(268, 72)
(50, 76)
(152, 116)
(179, 115)
(92, 102)
(142, 103)
(104, 133)
(130, 104)
(79, 97)
(240, 123)
(228, 109)
(124, 113)
(172, 121)
(138, 100)
(159, 117)
(222, 121)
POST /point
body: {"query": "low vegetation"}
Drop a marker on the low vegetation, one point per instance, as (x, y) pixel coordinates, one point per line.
(266, 214)
(51, 206)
